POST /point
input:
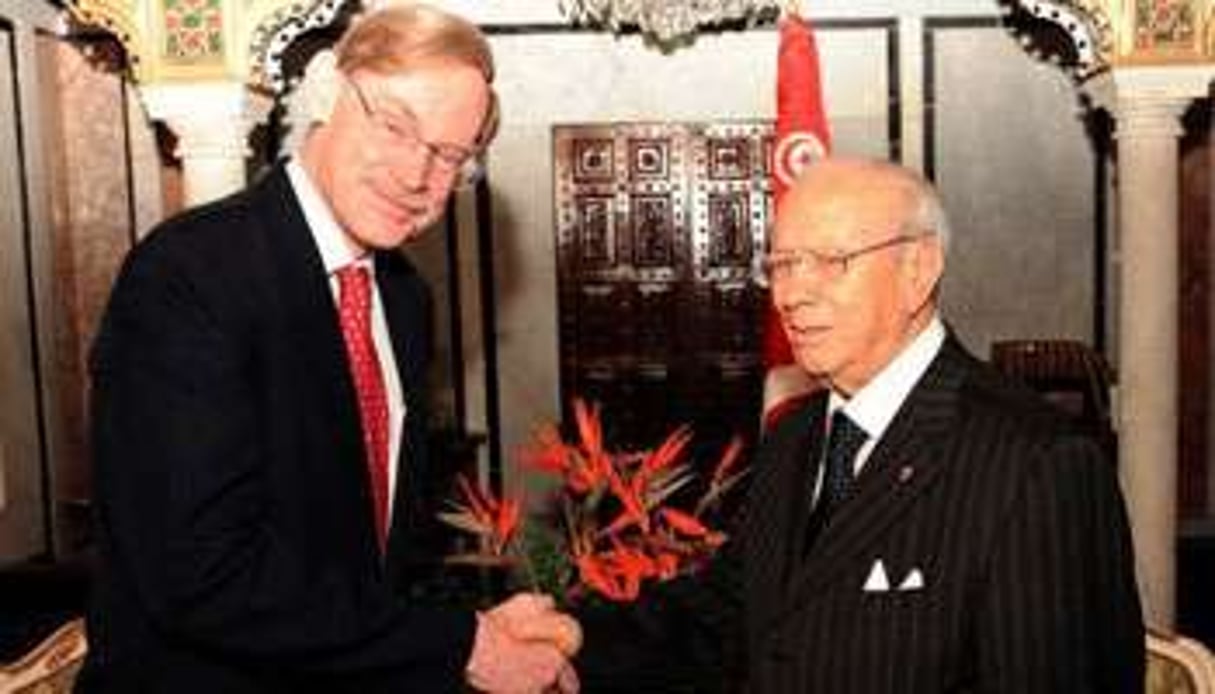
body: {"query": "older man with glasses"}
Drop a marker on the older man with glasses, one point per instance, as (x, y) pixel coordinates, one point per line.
(263, 489)
(921, 525)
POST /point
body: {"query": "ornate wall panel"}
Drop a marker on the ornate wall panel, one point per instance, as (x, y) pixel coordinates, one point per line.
(21, 532)
(83, 181)
(91, 155)
(658, 229)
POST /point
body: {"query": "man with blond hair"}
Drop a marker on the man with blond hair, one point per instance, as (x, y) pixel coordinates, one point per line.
(263, 488)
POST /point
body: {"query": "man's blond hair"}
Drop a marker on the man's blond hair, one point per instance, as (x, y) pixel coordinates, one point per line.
(395, 39)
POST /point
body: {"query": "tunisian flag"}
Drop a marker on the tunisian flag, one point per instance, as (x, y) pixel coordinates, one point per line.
(801, 137)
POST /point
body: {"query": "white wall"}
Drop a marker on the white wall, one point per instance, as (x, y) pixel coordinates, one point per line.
(1002, 132)
(1016, 168)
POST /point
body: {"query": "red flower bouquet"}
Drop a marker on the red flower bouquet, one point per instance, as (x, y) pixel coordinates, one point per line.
(612, 523)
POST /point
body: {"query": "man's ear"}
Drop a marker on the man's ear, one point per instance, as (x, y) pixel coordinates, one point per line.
(926, 266)
(319, 89)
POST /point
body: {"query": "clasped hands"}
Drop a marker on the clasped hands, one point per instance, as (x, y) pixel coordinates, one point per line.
(523, 646)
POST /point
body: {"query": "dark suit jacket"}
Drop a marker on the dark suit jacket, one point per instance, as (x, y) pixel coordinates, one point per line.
(234, 518)
(1015, 524)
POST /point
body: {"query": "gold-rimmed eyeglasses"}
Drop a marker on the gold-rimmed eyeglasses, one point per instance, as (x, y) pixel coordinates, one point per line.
(806, 263)
(402, 133)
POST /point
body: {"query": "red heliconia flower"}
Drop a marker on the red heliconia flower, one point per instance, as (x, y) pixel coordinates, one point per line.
(666, 564)
(646, 540)
(666, 453)
(492, 519)
(590, 431)
(628, 581)
(585, 474)
(683, 523)
(628, 566)
(506, 522)
(732, 455)
(595, 575)
(724, 477)
(634, 513)
(621, 571)
(594, 461)
(549, 453)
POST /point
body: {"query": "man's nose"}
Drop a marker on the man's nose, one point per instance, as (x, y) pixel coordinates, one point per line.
(795, 290)
(417, 172)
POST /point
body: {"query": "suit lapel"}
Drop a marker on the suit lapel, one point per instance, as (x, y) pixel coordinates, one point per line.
(318, 333)
(308, 300)
(779, 501)
(906, 462)
(312, 325)
(406, 324)
(403, 316)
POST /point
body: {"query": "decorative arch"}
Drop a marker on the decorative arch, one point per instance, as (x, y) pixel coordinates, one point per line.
(1086, 23)
(119, 18)
(169, 41)
(1114, 33)
(278, 30)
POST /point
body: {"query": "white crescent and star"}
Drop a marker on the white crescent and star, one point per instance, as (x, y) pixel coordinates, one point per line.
(794, 152)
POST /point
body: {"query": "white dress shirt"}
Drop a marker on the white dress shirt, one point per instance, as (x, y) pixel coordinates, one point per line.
(878, 401)
(336, 253)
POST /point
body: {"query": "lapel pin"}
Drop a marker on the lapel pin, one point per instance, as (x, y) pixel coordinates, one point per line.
(906, 473)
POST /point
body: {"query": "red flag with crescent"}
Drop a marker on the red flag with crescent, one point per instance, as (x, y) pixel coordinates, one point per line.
(802, 135)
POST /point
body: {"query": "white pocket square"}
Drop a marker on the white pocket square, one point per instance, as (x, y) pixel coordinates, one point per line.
(913, 581)
(877, 581)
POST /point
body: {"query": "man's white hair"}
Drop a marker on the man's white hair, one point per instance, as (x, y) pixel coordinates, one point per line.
(312, 99)
(930, 215)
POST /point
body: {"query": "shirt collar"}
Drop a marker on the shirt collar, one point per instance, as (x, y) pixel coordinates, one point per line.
(874, 405)
(330, 240)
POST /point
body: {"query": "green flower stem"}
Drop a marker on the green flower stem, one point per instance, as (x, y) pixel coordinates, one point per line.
(529, 569)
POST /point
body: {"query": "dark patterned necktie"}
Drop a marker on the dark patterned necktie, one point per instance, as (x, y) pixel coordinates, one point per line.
(844, 440)
(354, 313)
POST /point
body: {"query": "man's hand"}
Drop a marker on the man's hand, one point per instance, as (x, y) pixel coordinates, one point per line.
(503, 663)
(532, 617)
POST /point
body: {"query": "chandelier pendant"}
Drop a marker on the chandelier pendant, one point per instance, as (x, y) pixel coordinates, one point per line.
(667, 21)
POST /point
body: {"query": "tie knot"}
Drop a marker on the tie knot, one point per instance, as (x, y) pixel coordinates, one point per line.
(844, 441)
(354, 286)
(845, 434)
(354, 277)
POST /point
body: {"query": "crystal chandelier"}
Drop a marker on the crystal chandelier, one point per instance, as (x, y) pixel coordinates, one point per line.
(666, 20)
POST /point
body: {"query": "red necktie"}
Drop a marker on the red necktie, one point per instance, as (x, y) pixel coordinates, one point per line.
(354, 312)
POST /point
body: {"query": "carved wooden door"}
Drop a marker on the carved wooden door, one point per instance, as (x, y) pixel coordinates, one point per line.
(659, 228)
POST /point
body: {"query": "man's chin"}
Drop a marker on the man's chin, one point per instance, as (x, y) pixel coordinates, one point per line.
(813, 363)
(417, 223)
(391, 233)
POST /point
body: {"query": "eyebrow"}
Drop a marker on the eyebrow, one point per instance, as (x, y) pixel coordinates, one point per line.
(393, 108)
(817, 250)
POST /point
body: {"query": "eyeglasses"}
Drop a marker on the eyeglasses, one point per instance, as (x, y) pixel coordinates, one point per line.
(403, 134)
(804, 263)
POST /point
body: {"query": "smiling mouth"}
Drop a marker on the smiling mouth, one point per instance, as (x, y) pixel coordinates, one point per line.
(807, 333)
(402, 210)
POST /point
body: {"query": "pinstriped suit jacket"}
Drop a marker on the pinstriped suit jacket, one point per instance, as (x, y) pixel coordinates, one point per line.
(1014, 522)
